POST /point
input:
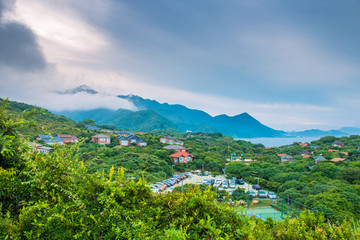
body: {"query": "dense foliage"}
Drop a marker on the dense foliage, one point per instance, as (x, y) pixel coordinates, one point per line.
(65, 194)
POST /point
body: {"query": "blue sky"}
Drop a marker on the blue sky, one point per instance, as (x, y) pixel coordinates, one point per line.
(293, 65)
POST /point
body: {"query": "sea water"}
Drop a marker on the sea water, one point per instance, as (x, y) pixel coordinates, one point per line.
(277, 142)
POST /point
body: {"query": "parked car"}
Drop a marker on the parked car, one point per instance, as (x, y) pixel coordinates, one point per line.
(262, 193)
(256, 187)
(271, 195)
(252, 193)
(232, 184)
(217, 183)
(210, 182)
(175, 180)
(233, 179)
(155, 189)
(241, 181)
(225, 184)
(163, 186)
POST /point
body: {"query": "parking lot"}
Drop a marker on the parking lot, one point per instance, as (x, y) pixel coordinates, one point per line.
(195, 179)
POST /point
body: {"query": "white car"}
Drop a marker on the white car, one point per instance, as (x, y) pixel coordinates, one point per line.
(271, 195)
(155, 190)
(252, 193)
(262, 193)
(225, 184)
(217, 183)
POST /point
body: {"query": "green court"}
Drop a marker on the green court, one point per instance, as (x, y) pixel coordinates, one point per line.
(265, 212)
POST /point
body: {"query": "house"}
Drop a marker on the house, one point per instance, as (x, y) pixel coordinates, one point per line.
(171, 140)
(131, 139)
(281, 154)
(35, 147)
(91, 127)
(177, 148)
(182, 157)
(106, 131)
(306, 156)
(286, 158)
(333, 150)
(337, 159)
(101, 139)
(124, 133)
(303, 153)
(337, 144)
(50, 140)
(318, 159)
(43, 149)
(68, 138)
(304, 145)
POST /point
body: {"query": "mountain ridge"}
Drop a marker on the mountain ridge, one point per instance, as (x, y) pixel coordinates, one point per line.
(180, 118)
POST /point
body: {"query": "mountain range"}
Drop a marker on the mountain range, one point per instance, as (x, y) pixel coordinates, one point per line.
(152, 115)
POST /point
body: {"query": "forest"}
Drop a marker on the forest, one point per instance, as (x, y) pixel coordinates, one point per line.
(89, 191)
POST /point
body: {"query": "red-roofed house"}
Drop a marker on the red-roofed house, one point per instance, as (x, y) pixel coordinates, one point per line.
(304, 144)
(333, 150)
(306, 156)
(337, 159)
(281, 154)
(182, 157)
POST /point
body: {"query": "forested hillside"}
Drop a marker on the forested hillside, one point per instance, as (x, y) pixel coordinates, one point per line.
(56, 196)
(46, 122)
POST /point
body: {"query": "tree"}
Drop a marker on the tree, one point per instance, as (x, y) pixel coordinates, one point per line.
(11, 145)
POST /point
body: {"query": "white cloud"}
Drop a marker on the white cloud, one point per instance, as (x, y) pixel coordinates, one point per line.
(41, 89)
(62, 33)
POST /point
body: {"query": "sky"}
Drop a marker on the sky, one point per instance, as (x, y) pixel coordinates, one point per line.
(293, 65)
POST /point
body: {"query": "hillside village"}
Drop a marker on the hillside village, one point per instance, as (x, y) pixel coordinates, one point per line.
(72, 156)
(129, 138)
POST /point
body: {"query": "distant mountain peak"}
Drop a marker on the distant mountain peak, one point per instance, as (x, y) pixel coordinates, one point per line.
(80, 89)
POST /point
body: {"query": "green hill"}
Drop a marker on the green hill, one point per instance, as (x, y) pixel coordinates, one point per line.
(46, 122)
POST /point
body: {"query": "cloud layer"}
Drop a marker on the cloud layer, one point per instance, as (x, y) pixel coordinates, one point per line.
(18, 45)
(292, 65)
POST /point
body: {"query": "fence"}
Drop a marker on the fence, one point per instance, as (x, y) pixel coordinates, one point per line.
(276, 208)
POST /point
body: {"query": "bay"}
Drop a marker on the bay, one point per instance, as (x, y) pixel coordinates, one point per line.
(277, 142)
